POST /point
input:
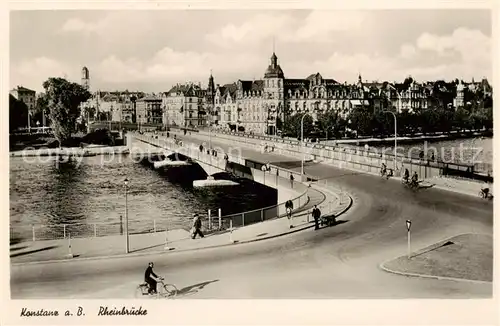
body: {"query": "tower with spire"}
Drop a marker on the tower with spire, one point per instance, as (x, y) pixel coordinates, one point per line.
(274, 101)
(85, 78)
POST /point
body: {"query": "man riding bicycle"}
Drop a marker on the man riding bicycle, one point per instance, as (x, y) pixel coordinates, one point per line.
(414, 179)
(383, 169)
(148, 279)
(406, 176)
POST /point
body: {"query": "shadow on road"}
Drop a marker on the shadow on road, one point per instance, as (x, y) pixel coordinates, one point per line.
(192, 289)
(32, 251)
(18, 248)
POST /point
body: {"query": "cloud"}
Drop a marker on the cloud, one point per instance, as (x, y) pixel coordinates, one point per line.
(315, 27)
(32, 73)
(319, 24)
(77, 25)
(255, 29)
(116, 24)
(407, 51)
(168, 66)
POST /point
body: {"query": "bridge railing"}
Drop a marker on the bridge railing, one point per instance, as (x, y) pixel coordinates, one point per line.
(37, 232)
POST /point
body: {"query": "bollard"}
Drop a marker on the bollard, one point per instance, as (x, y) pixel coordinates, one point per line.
(33, 231)
(209, 220)
(64, 231)
(166, 240)
(243, 219)
(70, 253)
(95, 230)
(231, 231)
(220, 219)
(262, 215)
(121, 225)
(154, 226)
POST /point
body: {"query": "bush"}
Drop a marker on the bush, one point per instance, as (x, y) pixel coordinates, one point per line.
(99, 137)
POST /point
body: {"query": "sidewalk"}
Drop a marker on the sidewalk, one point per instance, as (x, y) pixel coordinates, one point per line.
(463, 186)
(179, 240)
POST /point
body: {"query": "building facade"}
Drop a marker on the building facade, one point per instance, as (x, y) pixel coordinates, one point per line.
(185, 105)
(149, 110)
(25, 95)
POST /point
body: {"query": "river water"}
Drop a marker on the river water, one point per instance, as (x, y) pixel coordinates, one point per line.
(47, 192)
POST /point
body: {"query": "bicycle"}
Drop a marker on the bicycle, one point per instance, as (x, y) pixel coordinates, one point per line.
(485, 195)
(164, 290)
(413, 185)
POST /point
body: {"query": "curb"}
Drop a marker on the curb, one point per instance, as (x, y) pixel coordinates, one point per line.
(429, 276)
(441, 278)
(180, 250)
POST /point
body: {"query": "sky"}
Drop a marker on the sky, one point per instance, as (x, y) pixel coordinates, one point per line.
(153, 50)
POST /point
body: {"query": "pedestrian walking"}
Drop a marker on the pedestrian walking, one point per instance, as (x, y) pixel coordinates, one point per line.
(316, 213)
(196, 226)
(291, 180)
(289, 208)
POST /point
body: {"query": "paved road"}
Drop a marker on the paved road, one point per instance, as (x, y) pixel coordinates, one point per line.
(337, 262)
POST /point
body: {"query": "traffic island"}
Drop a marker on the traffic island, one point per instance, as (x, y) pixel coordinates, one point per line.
(466, 257)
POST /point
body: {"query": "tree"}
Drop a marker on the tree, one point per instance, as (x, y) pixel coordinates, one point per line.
(41, 106)
(18, 113)
(292, 125)
(64, 99)
(331, 124)
(361, 120)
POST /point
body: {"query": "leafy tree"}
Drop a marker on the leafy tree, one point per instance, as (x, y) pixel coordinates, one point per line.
(292, 125)
(18, 113)
(41, 109)
(64, 99)
(461, 119)
(361, 120)
(331, 123)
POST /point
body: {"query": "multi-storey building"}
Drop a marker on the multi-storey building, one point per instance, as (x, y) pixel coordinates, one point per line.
(184, 106)
(149, 110)
(25, 95)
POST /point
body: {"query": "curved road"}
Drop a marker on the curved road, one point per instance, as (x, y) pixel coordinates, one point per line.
(339, 262)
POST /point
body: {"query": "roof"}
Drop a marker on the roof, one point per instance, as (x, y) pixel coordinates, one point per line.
(23, 89)
(274, 72)
(149, 98)
(186, 89)
(230, 89)
(252, 86)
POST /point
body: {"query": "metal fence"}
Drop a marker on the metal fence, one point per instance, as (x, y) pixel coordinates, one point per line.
(85, 230)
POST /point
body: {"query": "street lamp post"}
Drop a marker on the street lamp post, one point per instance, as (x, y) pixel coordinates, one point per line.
(302, 140)
(395, 137)
(126, 217)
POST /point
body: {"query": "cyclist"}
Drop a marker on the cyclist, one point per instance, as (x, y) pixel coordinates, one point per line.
(383, 169)
(414, 179)
(406, 176)
(485, 190)
(148, 279)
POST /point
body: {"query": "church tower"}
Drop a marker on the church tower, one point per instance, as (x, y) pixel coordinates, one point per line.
(274, 101)
(85, 78)
(210, 89)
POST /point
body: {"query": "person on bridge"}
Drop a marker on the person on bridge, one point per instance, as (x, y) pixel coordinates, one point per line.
(197, 226)
(289, 208)
(406, 176)
(148, 279)
(316, 213)
(414, 178)
(291, 180)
